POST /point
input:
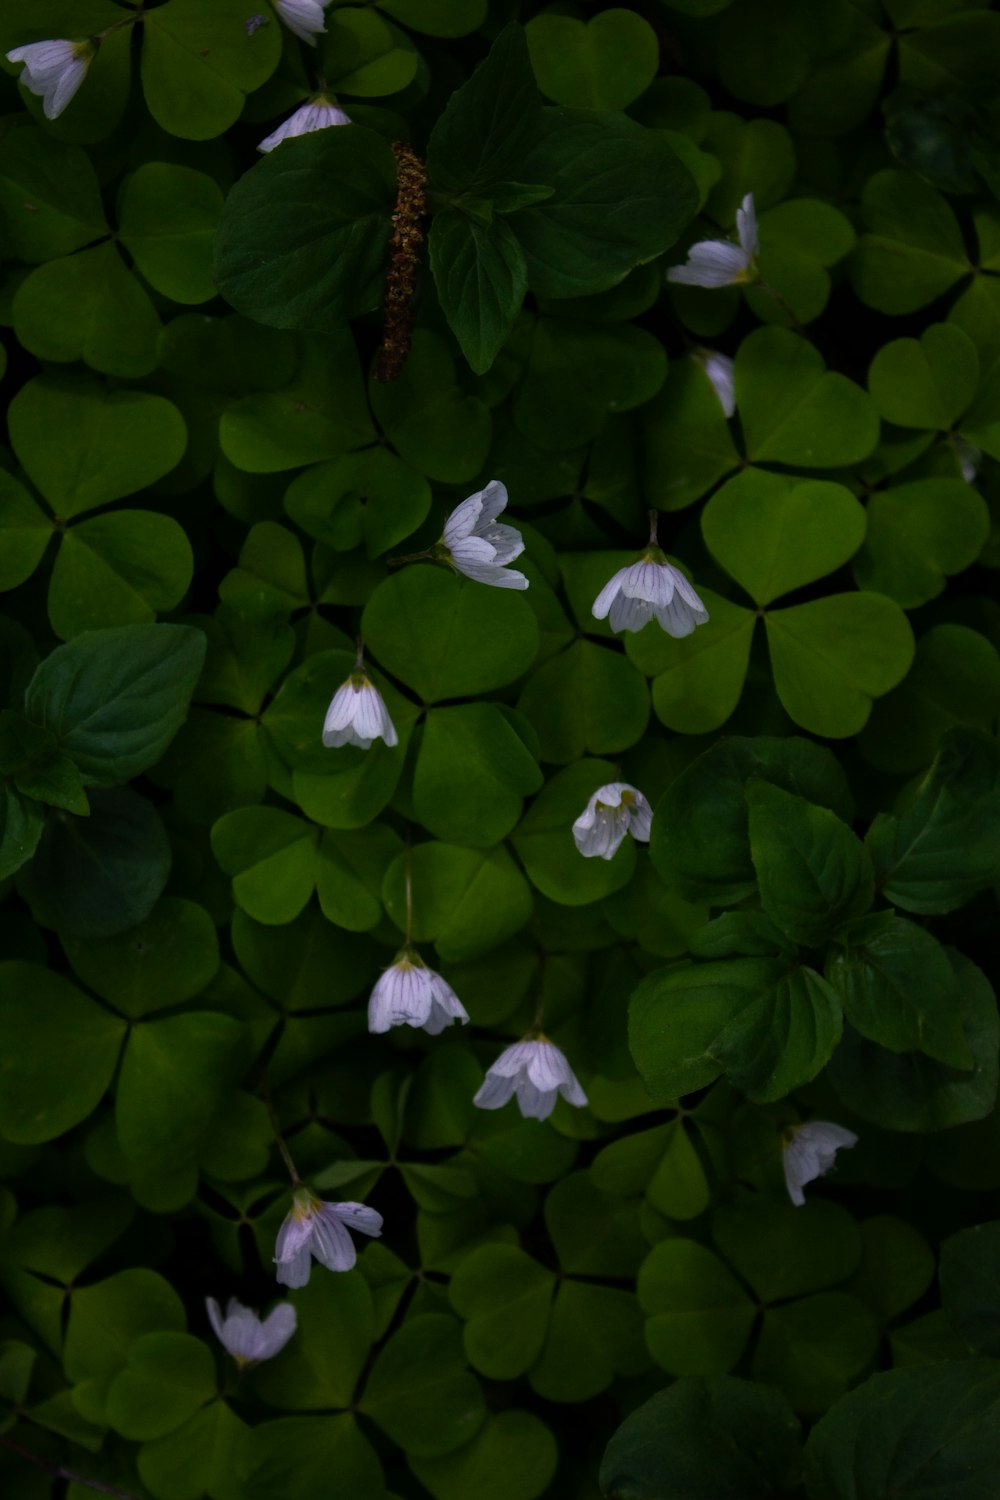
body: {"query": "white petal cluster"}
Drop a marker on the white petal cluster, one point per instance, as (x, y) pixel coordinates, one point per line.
(304, 17)
(649, 588)
(55, 70)
(476, 545)
(357, 715)
(320, 1230)
(721, 371)
(243, 1335)
(317, 114)
(613, 811)
(810, 1152)
(408, 993)
(535, 1072)
(715, 263)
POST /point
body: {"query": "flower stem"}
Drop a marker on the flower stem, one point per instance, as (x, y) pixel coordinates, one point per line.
(766, 287)
(286, 1155)
(359, 660)
(654, 521)
(59, 1472)
(396, 562)
(408, 879)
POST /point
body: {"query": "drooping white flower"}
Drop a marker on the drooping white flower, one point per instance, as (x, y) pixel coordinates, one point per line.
(476, 545)
(317, 114)
(535, 1071)
(357, 714)
(243, 1335)
(714, 263)
(613, 811)
(55, 70)
(647, 588)
(318, 1229)
(304, 17)
(408, 993)
(810, 1151)
(720, 370)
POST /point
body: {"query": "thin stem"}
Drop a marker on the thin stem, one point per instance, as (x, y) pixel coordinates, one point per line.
(766, 287)
(536, 1024)
(408, 878)
(396, 562)
(286, 1155)
(59, 1472)
(359, 660)
(654, 521)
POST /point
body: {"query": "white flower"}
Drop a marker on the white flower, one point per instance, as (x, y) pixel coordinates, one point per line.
(357, 715)
(718, 262)
(320, 1229)
(810, 1151)
(612, 812)
(969, 458)
(536, 1071)
(244, 1336)
(55, 70)
(477, 546)
(316, 115)
(304, 17)
(408, 993)
(649, 587)
(720, 370)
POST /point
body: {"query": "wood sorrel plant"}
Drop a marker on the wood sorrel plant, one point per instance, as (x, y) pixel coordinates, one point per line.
(605, 949)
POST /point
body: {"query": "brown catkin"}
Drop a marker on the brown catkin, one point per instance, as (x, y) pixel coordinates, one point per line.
(401, 279)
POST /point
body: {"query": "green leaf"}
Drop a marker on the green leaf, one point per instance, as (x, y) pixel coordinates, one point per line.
(814, 873)
(912, 249)
(352, 866)
(925, 382)
(362, 55)
(832, 656)
(314, 1372)
(99, 875)
(512, 1457)
(465, 901)
(420, 1392)
(472, 772)
(699, 679)
(448, 637)
(167, 1378)
(167, 220)
(927, 1432)
(303, 965)
(621, 196)
(813, 1350)
(602, 64)
(794, 410)
(897, 1266)
(799, 240)
(687, 443)
(118, 569)
(89, 306)
(544, 839)
(371, 494)
(700, 838)
(46, 1090)
(910, 1091)
(769, 1026)
(919, 533)
(198, 65)
(698, 1315)
(295, 1456)
(304, 235)
(50, 198)
(943, 849)
(970, 1289)
(504, 1297)
(481, 137)
(481, 278)
(164, 961)
(660, 1450)
(21, 825)
(587, 700)
(898, 989)
(272, 857)
(114, 699)
(203, 1453)
(435, 425)
(111, 443)
(773, 534)
(106, 1319)
(26, 532)
(783, 1251)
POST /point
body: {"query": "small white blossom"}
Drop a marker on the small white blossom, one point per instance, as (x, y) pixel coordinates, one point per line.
(408, 993)
(810, 1151)
(55, 70)
(969, 458)
(720, 370)
(304, 17)
(243, 1335)
(317, 114)
(714, 263)
(476, 545)
(613, 811)
(534, 1071)
(649, 587)
(320, 1229)
(357, 715)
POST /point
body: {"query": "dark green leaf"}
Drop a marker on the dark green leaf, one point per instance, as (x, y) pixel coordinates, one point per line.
(481, 279)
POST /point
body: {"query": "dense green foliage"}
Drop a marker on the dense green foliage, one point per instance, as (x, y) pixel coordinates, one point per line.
(208, 495)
